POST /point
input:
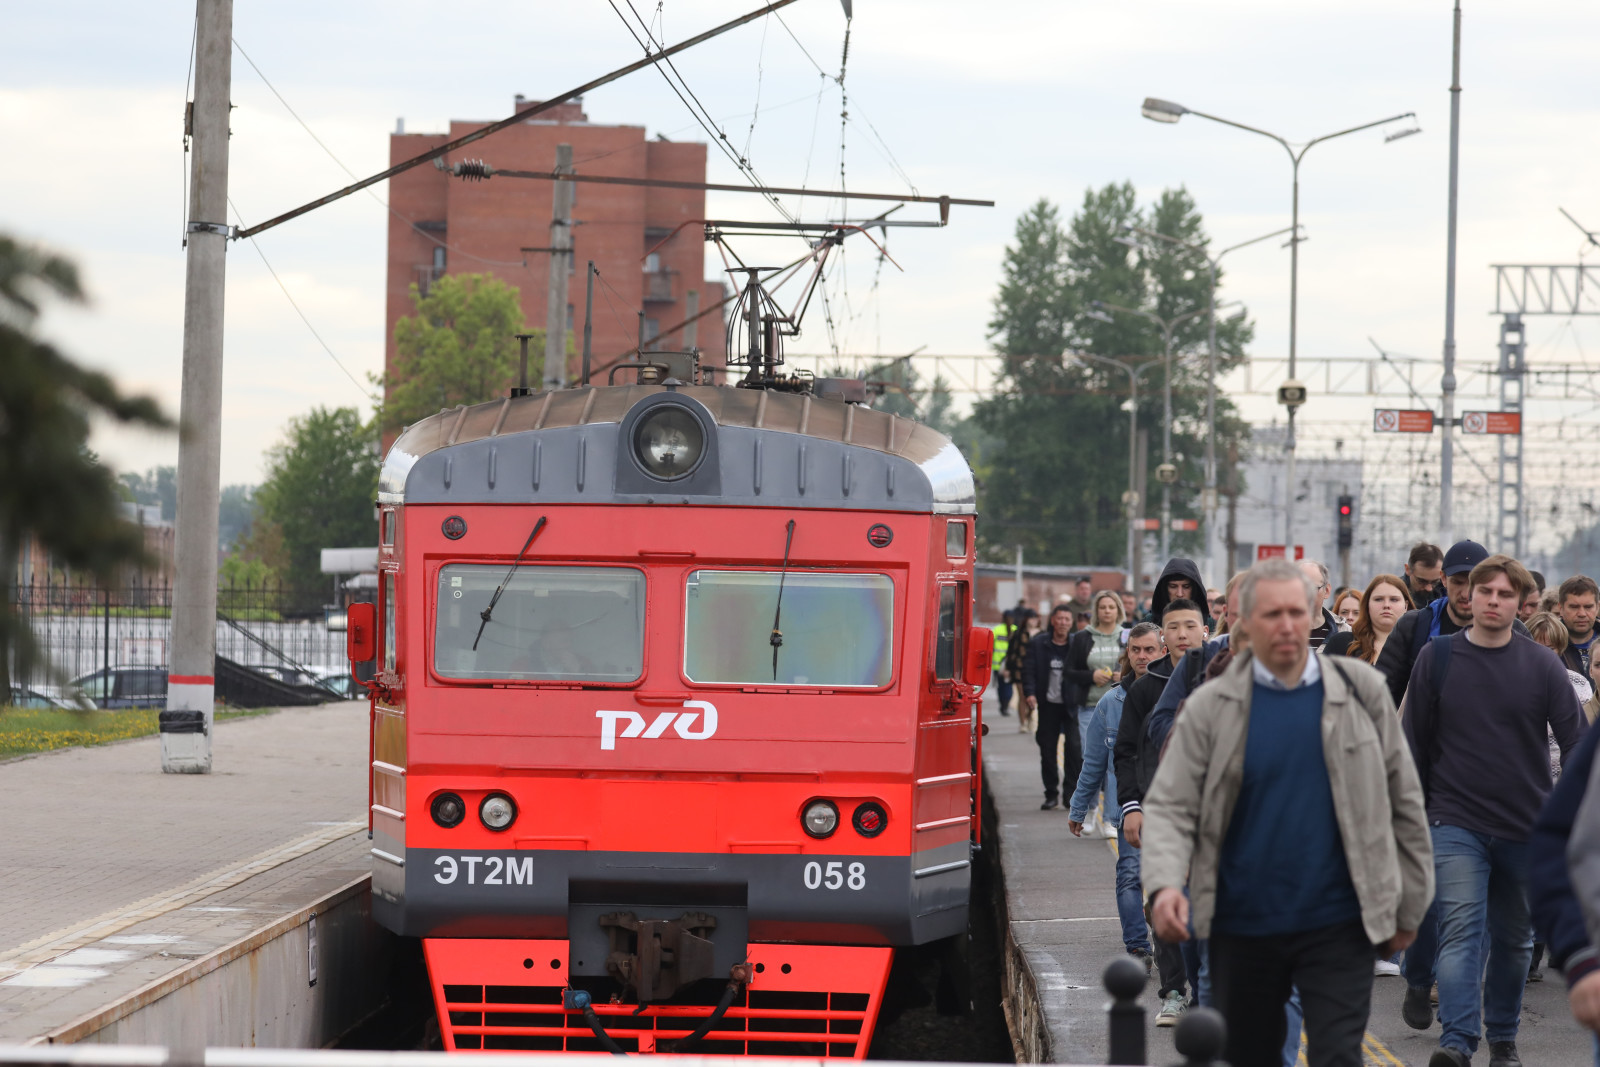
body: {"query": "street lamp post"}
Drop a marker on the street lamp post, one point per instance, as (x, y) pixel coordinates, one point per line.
(1134, 372)
(1167, 326)
(1209, 503)
(1167, 111)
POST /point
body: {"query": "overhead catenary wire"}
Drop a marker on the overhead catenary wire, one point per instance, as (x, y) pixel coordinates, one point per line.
(375, 198)
(297, 310)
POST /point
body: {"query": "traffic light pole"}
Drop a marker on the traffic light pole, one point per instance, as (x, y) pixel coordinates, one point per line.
(1347, 509)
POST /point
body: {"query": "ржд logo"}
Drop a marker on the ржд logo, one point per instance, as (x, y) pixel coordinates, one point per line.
(683, 722)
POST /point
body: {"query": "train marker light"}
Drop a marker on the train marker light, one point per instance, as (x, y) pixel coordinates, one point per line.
(497, 811)
(821, 818)
(869, 819)
(448, 810)
(669, 442)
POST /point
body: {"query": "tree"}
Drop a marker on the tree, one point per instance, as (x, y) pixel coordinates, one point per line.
(1058, 467)
(459, 348)
(899, 390)
(319, 490)
(53, 492)
(158, 485)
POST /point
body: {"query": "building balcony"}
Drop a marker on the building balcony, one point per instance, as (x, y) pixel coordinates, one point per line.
(658, 286)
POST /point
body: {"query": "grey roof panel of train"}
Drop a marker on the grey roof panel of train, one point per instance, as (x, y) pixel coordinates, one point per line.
(762, 448)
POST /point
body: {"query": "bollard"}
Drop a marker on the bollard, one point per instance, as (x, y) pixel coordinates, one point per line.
(1125, 979)
(1200, 1037)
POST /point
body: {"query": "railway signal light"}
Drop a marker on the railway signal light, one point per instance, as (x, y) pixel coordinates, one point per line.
(1347, 509)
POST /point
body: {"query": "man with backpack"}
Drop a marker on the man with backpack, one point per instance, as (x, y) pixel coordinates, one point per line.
(1134, 757)
(1479, 707)
(1448, 614)
(1287, 805)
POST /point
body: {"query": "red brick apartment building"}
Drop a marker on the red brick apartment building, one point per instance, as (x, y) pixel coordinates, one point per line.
(442, 224)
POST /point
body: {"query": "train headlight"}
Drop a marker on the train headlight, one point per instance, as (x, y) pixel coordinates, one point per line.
(669, 442)
(448, 810)
(497, 811)
(820, 818)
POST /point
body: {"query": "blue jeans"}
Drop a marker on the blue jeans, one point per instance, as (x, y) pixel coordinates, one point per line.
(1197, 965)
(1482, 881)
(1422, 958)
(1130, 898)
(1003, 691)
(1085, 713)
(1294, 1018)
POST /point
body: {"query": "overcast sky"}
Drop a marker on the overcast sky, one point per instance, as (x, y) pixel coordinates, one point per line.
(1008, 102)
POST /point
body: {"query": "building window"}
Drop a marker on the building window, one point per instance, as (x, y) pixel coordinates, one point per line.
(569, 318)
(438, 259)
(652, 330)
(652, 263)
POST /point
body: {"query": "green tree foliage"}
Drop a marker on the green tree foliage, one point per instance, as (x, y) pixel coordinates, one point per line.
(1054, 474)
(158, 485)
(458, 348)
(235, 511)
(319, 490)
(898, 388)
(53, 490)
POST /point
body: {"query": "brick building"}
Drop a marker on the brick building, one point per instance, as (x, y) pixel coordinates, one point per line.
(443, 224)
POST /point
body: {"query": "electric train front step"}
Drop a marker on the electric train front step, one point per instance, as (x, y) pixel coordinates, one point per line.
(802, 1000)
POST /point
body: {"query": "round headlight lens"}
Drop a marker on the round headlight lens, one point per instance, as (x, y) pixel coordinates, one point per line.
(448, 810)
(669, 442)
(820, 819)
(870, 819)
(497, 811)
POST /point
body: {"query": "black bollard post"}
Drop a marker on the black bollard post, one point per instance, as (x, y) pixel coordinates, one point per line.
(1125, 979)
(1200, 1037)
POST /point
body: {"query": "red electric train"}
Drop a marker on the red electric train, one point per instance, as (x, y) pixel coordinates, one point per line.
(675, 719)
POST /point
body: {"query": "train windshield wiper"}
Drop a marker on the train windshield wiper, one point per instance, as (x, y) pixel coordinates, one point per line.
(487, 612)
(777, 635)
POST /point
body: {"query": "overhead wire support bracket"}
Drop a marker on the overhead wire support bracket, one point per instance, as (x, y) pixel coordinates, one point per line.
(477, 170)
(650, 59)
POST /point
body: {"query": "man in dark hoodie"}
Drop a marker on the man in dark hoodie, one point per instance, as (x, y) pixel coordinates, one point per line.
(1183, 626)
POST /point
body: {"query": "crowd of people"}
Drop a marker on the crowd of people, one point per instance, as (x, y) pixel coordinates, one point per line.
(1312, 787)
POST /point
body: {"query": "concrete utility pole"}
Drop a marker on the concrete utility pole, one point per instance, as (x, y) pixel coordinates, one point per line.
(1447, 383)
(191, 683)
(555, 319)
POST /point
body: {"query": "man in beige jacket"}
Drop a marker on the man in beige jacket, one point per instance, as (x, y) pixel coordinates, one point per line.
(1288, 804)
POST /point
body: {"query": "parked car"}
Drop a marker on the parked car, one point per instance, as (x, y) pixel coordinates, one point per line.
(125, 687)
(339, 681)
(47, 696)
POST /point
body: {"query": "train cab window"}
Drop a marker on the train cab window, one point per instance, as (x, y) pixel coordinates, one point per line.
(838, 629)
(955, 540)
(388, 621)
(570, 624)
(952, 625)
(387, 527)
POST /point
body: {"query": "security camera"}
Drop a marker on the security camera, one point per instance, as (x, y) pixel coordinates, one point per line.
(1292, 393)
(1166, 473)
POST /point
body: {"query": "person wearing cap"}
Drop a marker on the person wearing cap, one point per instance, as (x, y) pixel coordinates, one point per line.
(1446, 615)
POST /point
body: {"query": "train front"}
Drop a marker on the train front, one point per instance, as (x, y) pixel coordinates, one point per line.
(672, 739)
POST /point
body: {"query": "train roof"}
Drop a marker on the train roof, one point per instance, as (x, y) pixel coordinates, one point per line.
(766, 448)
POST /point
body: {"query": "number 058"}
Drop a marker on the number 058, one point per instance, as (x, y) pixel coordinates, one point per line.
(835, 875)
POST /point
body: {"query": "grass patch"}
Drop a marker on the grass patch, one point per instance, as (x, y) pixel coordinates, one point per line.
(24, 731)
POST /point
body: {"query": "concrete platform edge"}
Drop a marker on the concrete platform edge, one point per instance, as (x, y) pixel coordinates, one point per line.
(350, 988)
(1030, 1037)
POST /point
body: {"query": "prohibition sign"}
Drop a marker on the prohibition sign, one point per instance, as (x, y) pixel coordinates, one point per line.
(1473, 422)
(1388, 421)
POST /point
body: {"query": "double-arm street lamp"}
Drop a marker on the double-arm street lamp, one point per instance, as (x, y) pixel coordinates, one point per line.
(1135, 371)
(1209, 502)
(1167, 473)
(1167, 111)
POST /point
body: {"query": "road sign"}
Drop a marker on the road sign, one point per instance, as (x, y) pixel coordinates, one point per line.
(1495, 422)
(1276, 552)
(1402, 420)
(1146, 524)
(1179, 525)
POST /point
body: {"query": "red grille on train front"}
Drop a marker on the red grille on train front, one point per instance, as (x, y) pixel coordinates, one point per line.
(803, 1000)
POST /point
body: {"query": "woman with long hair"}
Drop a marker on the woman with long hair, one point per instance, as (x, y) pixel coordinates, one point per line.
(1093, 660)
(1347, 607)
(1385, 600)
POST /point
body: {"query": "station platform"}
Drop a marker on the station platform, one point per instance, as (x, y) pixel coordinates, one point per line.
(1060, 914)
(129, 892)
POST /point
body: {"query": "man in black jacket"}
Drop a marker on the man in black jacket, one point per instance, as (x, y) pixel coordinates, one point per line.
(1135, 757)
(1050, 694)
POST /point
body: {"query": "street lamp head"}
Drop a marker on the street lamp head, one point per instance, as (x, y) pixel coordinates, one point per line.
(1126, 239)
(1098, 316)
(1162, 110)
(1395, 136)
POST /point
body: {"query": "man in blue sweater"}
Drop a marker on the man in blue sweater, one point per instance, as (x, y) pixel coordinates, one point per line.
(1289, 806)
(1478, 730)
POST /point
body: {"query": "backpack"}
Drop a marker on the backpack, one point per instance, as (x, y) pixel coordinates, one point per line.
(1427, 716)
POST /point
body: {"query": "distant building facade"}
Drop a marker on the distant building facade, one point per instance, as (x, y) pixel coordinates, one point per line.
(647, 242)
(1319, 483)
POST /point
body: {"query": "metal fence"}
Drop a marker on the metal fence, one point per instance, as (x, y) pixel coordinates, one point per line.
(81, 628)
